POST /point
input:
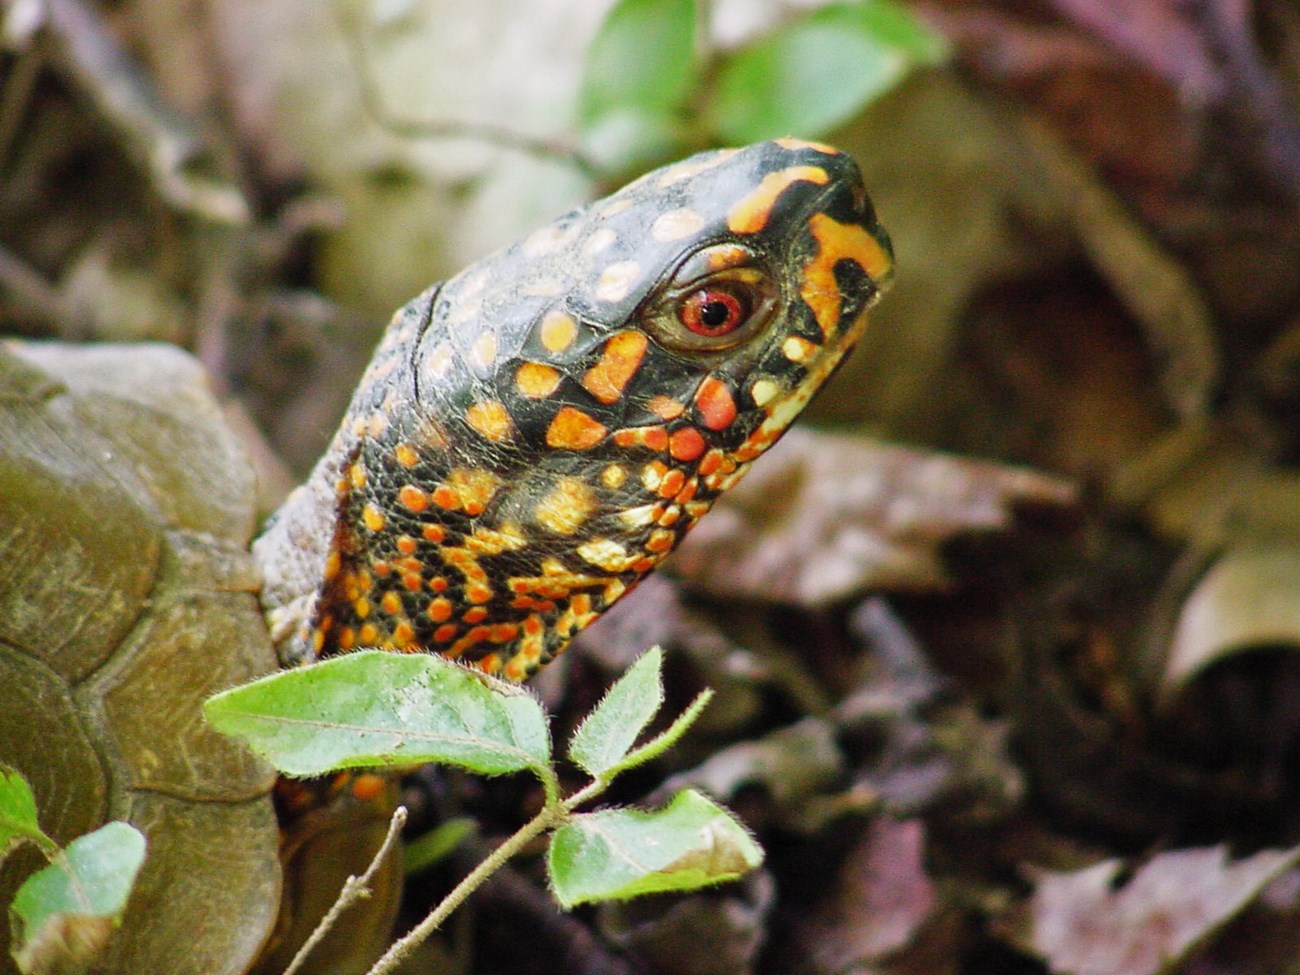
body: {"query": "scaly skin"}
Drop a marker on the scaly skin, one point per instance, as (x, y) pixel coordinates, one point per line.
(538, 433)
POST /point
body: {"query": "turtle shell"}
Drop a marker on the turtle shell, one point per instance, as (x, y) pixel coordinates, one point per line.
(127, 596)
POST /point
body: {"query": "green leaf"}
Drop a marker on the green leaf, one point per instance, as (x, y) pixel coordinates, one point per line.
(819, 71)
(18, 822)
(434, 846)
(377, 708)
(611, 729)
(667, 738)
(616, 854)
(641, 69)
(63, 915)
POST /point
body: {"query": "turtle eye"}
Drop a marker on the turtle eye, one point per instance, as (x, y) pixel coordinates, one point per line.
(716, 311)
(718, 298)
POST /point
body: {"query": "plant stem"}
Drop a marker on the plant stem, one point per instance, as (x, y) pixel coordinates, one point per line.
(547, 819)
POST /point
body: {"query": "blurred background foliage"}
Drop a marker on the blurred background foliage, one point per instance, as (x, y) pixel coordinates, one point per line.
(999, 700)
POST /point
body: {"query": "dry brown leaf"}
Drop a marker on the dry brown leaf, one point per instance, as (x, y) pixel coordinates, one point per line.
(880, 900)
(1082, 925)
(825, 516)
(1249, 598)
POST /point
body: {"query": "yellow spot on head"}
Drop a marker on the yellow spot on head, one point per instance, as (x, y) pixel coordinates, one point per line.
(438, 362)
(536, 380)
(361, 607)
(604, 553)
(372, 518)
(600, 240)
(406, 455)
(558, 331)
(617, 365)
(798, 349)
(692, 167)
(616, 280)
(391, 603)
(566, 506)
(490, 419)
(368, 634)
(357, 475)
(676, 225)
(613, 476)
(483, 352)
(543, 241)
(751, 214)
(764, 391)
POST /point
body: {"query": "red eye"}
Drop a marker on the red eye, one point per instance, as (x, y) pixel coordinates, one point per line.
(712, 312)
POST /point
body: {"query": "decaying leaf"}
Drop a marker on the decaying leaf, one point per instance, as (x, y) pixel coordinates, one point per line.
(1081, 924)
(879, 901)
(826, 516)
(1249, 598)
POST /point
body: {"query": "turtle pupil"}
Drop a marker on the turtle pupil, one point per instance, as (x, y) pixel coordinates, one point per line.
(714, 314)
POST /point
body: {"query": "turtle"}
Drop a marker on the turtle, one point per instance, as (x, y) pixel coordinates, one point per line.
(531, 438)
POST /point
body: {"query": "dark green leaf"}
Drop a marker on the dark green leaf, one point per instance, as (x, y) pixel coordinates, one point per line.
(376, 708)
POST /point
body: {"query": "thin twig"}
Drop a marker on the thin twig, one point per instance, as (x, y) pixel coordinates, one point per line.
(354, 889)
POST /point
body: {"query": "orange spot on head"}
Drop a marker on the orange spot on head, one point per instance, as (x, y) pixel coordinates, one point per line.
(716, 404)
(412, 498)
(403, 635)
(790, 143)
(475, 614)
(391, 603)
(490, 419)
(515, 670)
(438, 584)
(536, 380)
(654, 438)
(751, 214)
(670, 516)
(616, 366)
(672, 482)
(445, 633)
(687, 493)
(438, 610)
(711, 461)
(367, 785)
(686, 444)
(412, 581)
(433, 533)
(571, 429)
(406, 544)
(368, 634)
(557, 331)
(477, 592)
(347, 638)
(837, 242)
(502, 632)
(666, 407)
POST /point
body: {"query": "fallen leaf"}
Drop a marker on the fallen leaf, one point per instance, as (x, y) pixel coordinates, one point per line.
(1080, 923)
(823, 517)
